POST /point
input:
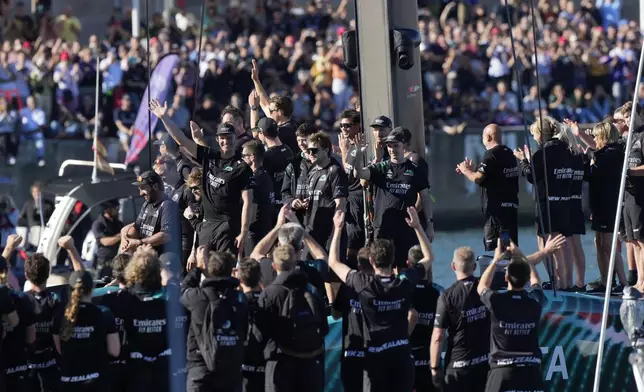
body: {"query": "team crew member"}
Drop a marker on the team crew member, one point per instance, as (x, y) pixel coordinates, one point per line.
(603, 176)
(346, 305)
(254, 155)
(295, 325)
(9, 319)
(559, 177)
(424, 300)
(277, 158)
(84, 337)
(292, 234)
(461, 316)
(327, 190)
(498, 175)
(398, 182)
(116, 300)
(279, 108)
(249, 274)
(17, 338)
(234, 116)
(218, 293)
(107, 231)
(183, 196)
(349, 128)
(380, 129)
(168, 147)
(385, 300)
(158, 221)
(295, 186)
(146, 324)
(46, 306)
(515, 357)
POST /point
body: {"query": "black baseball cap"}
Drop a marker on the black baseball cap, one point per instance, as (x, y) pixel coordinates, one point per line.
(381, 122)
(170, 261)
(84, 277)
(396, 135)
(226, 129)
(148, 178)
(406, 133)
(167, 141)
(268, 127)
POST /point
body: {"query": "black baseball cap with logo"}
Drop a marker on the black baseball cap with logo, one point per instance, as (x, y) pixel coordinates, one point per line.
(396, 135)
(268, 127)
(148, 178)
(381, 122)
(226, 129)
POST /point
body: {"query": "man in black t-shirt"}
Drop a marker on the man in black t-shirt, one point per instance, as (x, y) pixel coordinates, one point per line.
(498, 175)
(167, 146)
(462, 318)
(107, 231)
(515, 356)
(158, 221)
(349, 129)
(295, 186)
(277, 157)
(263, 195)
(234, 116)
(398, 182)
(327, 190)
(249, 275)
(386, 302)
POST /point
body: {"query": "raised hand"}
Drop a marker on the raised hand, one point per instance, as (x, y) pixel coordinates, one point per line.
(253, 98)
(574, 126)
(13, 241)
(413, 221)
(196, 130)
(519, 154)
(66, 242)
(554, 243)
(254, 75)
(157, 109)
(338, 219)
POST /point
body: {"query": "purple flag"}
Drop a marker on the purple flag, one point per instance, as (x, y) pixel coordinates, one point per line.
(159, 85)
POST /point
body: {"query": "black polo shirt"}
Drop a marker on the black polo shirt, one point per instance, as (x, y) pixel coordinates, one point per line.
(183, 196)
(326, 184)
(276, 160)
(287, 135)
(101, 228)
(162, 216)
(263, 200)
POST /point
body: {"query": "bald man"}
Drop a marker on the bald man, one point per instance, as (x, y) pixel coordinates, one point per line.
(498, 175)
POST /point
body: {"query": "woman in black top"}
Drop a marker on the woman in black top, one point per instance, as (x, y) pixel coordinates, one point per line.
(146, 324)
(47, 305)
(603, 176)
(17, 340)
(86, 336)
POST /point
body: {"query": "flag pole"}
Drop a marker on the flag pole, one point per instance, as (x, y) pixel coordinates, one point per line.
(95, 169)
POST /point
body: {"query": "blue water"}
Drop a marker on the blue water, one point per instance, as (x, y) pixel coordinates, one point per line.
(445, 243)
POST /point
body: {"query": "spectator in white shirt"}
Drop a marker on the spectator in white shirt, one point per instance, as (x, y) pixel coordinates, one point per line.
(33, 121)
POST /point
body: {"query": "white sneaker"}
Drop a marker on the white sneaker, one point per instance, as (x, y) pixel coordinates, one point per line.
(41, 163)
(11, 161)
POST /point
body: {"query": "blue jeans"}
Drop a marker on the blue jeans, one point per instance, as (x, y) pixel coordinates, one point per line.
(71, 129)
(39, 141)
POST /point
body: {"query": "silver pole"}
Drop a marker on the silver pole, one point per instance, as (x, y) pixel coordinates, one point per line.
(95, 170)
(136, 24)
(618, 217)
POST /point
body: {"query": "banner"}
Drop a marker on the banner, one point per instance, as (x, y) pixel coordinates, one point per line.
(159, 85)
(12, 86)
(101, 157)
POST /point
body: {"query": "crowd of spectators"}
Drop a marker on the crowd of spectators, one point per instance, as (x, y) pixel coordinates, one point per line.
(586, 55)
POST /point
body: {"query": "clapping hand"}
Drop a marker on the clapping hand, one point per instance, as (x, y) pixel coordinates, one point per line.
(465, 166)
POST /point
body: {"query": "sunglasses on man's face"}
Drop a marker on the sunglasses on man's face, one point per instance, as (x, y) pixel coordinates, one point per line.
(345, 125)
(313, 150)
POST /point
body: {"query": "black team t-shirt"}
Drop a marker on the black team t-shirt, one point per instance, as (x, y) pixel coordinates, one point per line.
(162, 216)
(424, 300)
(347, 302)
(263, 201)
(14, 346)
(47, 306)
(101, 228)
(254, 348)
(461, 312)
(117, 302)
(355, 195)
(325, 186)
(183, 196)
(84, 356)
(396, 187)
(146, 325)
(223, 182)
(276, 160)
(500, 180)
(385, 303)
(515, 317)
(287, 135)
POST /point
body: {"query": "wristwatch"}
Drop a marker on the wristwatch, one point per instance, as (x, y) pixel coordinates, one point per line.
(253, 107)
(430, 220)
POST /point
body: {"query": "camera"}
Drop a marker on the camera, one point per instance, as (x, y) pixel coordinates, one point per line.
(404, 43)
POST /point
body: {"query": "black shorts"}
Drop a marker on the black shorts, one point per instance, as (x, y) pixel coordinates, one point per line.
(577, 218)
(603, 222)
(254, 378)
(506, 220)
(389, 371)
(219, 236)
(633, 216)
(527, 379)
(422, 371)
(471, 379)
(351, 373)
(559, 221)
